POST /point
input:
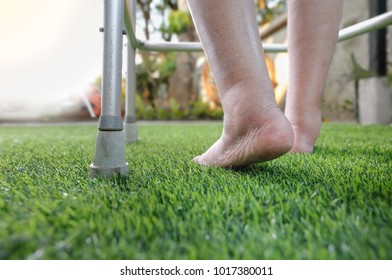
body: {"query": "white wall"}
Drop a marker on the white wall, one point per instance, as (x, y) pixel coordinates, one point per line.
(339, 97)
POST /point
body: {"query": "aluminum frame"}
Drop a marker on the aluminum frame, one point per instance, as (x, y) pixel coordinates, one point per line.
(109, 156)
(109, 153)
(363, 27)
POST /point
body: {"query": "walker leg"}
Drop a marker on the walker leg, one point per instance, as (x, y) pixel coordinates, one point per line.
(109, 157)
(130, 127)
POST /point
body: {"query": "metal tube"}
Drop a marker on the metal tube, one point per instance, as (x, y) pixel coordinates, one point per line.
(131, 86)
(275, 48)
(345, 34)
(366, 26)
(109, 152)
(130, 22)
(112, 65)
(170, 46)
(131, 66)
(193, 46)
(130, 127)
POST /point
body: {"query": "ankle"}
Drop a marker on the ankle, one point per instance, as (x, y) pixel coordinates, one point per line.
(306, 133)
(306, 129)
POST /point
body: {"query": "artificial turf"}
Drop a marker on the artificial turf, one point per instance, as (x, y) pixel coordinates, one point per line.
(334, 204)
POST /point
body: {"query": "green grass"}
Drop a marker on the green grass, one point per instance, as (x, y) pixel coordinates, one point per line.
(334, 204)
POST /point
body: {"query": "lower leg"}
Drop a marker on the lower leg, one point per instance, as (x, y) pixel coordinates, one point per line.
(312, 35)
(254, 130)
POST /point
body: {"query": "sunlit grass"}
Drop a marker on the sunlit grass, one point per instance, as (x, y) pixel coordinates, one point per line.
(334, 204)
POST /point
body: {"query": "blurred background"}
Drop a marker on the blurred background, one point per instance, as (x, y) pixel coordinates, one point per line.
(51, 61)
(50, 52)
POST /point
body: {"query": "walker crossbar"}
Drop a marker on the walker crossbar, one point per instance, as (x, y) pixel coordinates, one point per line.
(363, 27)
(109, 157)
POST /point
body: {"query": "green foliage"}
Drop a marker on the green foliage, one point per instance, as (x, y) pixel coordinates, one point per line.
(148, 113)
(358, 71)
(334, 204)
(215, 114)
(139, 107)
(199, 110)
(173, 111)
(163, 113)
(179, 21)
(153, 73)
(166, 65)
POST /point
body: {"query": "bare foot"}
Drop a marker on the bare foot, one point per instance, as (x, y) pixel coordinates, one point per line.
(252, 133)
(303, 143)
(306, 127)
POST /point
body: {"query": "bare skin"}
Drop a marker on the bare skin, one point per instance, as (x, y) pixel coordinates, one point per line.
(313, 27)
(255, 129)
